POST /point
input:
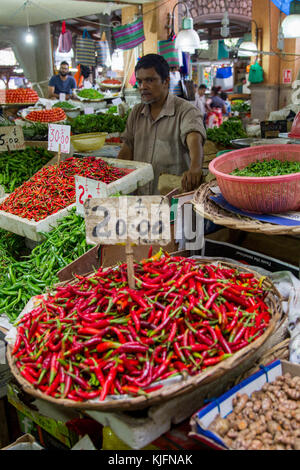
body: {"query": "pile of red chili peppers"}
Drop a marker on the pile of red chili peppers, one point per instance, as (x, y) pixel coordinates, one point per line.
(53, 188)
(97, 337)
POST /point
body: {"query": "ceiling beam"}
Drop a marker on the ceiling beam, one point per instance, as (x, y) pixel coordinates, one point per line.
(121, 2)
(79, 32)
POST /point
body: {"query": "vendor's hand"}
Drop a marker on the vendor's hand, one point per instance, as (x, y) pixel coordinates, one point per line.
(192, 179)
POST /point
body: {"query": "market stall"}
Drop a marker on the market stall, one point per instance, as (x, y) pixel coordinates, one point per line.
(130, 321)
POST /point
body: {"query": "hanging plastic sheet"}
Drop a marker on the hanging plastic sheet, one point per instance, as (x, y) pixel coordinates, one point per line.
(283, 5)
(65, 39)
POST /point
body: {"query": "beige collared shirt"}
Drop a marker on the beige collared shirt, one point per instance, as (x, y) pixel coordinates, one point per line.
(162, 142)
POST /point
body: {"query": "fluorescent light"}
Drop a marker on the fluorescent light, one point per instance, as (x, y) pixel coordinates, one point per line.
(29, 37)
(247, 49)
(187, 40)
(291, 26)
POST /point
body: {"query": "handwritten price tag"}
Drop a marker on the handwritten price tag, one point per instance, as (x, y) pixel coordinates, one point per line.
(11, 138)
(87, 188)
(140, 220)
(59, 135)
(89, 110)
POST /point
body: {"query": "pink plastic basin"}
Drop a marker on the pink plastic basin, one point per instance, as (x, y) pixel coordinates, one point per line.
(270, 194)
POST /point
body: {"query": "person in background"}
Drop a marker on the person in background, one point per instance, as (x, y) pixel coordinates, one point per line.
(164, 130)
(61, 83)
(216, 108)
(227, 103)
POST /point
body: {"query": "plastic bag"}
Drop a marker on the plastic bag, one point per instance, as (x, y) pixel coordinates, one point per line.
(256, 73)
(167, 50)
(224, 78)
(85, 50)
(129, 36)
(65, 39)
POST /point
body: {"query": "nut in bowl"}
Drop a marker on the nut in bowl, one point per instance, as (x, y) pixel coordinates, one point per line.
(259, 194)
(88, 142)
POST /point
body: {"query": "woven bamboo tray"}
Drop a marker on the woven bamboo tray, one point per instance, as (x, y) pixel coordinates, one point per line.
(188, 384)
(207, 208)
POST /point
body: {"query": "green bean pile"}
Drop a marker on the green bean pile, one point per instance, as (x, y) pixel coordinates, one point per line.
(20, 165)
(22, 279)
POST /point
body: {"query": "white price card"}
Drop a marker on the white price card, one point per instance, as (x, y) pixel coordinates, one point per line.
(142, 220)
(89, 110)
(59, 135)
(87, 188)
(11, 138)
(117, 101)
(62, 97)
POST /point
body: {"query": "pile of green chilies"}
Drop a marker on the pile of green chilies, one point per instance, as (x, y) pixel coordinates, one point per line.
(96, 337)
(20, 165)
(22, 279)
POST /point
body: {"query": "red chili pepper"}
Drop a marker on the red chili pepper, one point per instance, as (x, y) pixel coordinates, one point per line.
(109, 380)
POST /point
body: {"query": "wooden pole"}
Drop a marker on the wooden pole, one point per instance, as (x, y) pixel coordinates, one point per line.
(129, 261)
(58, 154)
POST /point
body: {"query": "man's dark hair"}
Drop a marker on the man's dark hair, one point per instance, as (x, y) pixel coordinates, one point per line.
(64, 63)
(223, 96)
(202, 86)
(156, 61)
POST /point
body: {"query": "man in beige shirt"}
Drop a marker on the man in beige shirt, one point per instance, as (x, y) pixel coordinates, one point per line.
(164, 130)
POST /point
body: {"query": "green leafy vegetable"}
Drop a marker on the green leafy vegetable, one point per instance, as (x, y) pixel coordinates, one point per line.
(230, 130)
(273, 167)
(36, 131)
(63, 105)
(241, 106)
(98, 123)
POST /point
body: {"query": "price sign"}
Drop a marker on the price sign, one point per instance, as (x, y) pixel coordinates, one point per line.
(142, 220)
(11, 138)
(89, 110)
(62, 97)
(117, 101)
(59, 138)
(129, 220)
(87, 188)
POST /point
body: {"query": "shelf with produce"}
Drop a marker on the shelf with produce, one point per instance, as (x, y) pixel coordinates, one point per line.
(38, 205)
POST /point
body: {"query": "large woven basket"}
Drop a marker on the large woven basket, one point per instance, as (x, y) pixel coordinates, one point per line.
(207, 208)
(188, 384)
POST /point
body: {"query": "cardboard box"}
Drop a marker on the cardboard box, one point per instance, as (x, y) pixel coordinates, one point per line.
(49, 417)
(271, 129)
(220, 249)
(201, 420)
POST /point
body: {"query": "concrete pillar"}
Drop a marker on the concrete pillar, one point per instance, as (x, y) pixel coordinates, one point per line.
(36, 58)
(273, 93)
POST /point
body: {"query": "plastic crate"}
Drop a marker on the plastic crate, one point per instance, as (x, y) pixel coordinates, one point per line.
(270, 194)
